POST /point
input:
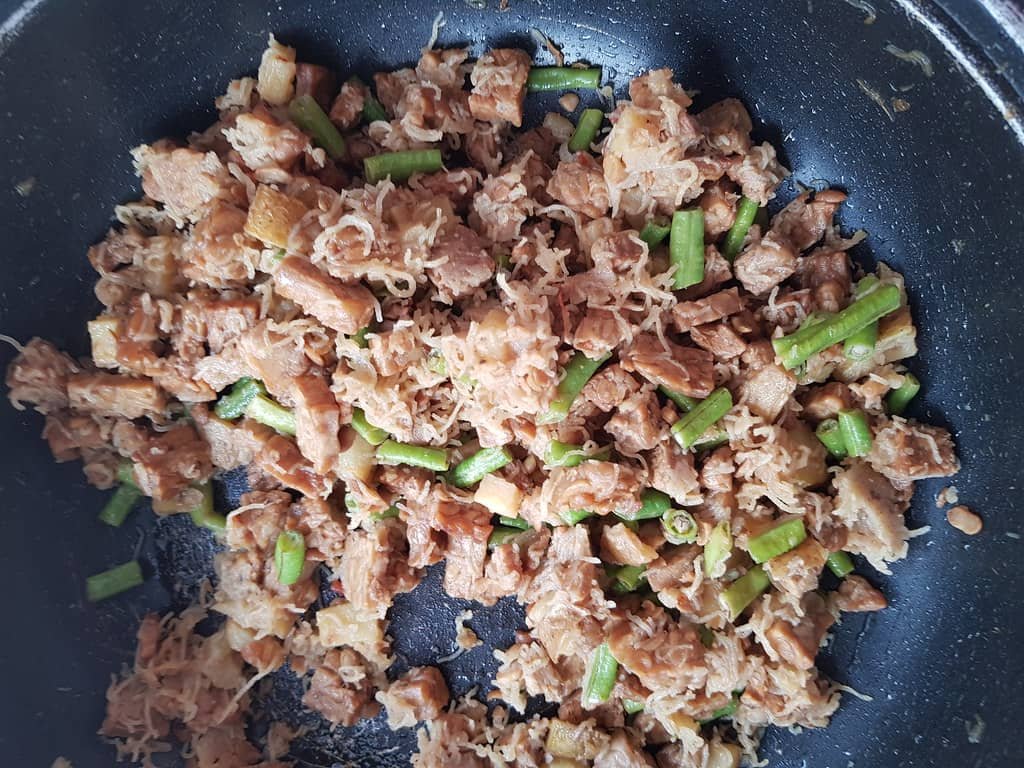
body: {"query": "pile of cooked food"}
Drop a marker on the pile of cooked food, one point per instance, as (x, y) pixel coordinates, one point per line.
(577, 363)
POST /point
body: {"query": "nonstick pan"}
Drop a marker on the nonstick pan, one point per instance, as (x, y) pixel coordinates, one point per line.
(935, 177)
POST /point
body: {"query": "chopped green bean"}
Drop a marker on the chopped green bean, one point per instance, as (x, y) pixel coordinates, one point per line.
(627, 578)
(600, 677)
(861, 345)
(865, 285)
(111, 582)
(436, 363)
(574, 516)
(233, 404)
(126, 473)
(840, 564)
(653, 504)
(831, 436)
(898, 400)
(707, 636)
(373, 110)
(559, 454)
(654, 234)
(745, 590)
(310, 117)
(679, 527)
(777, 541)
(289, 556)
(514, 522)
(578, 372)
(371, 434)
(472, 469)
(503, 535)
(746, 210)
(116, 510)
(586, 130)
(267, 411)
(563, 78)
(204, 515)
(694, 424)
(713, 436)
(388, 514)
(685, 402)
(718, 547)
(632, 706)
(391, 452)
(399, 166)
(853, 425)
(359, 337)
(686, 248)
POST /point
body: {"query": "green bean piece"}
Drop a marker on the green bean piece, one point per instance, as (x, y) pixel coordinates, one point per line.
(694, 424)
(853, 425)
(898, 400)
(654, 234)
(777, 541)
(310, 117)
(436, 363)
(742, 592)
(679, 527)
(392, 452)
(233, 404)
(653, 504)
(117, 509)
(707, 636)
(359, 337)
(126, 473)
(727, 711)
(559, 454)
(371, 434)
(274, 415)
(865, 285)
(627, 578)
(473, 469)
(399, 166)
(746, 210)
(514, 522)
(574, 516)
(795, 349)
(686, 248)
(718, 547)
(387, 514)
(578, 372)
(685, 402)
(289, 556)
(204, 515)
(831, 436)
(632, 706)
(600, 677)
(503, 535)
(563, 78)
(840, 564)
(373, 110)
(586, 130)
(861, 345)
(111, 582)
(713, 436)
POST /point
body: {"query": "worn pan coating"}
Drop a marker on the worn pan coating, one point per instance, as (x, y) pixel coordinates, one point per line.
(937, 186)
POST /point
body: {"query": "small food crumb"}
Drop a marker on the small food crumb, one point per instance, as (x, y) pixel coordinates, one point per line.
(25, 186)
(975, 729)
(569, 102)
(900, 105)
(61, 762)
(465, 637)
(948, 495)
(964, 520)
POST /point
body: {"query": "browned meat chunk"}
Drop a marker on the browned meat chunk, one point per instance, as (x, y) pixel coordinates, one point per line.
(872, 509)
(798, 644)
(264, 144)
(112, 395)
(185, 180)
(719, 206)
(609, 386)
(685, 370)
(316, 81)
(503, 203)
(766, 391)
(580, 185)
(688, 314)
(499, 85)
(726, 125)
(341, 689)
(664, 654)
(797, 571)
(279, 457)
(468, 265)
(347, 109)
(69, 434)
(636, 425)
(828, 276)
(420, 694)
(464, 568)
(167, 463)
(804, 221)
(316, 422)
(602, 487)
(855, 594)
(342, 307)
(758, 174)
(827, 400)
(374, 567)
(719, 339)
(764, 265)
(39, 375)
(598, 333)
(672, 472)
(622, 546)
(216, 255)
(905, 451)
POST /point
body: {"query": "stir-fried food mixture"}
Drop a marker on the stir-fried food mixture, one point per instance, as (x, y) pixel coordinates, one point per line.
(577, 363)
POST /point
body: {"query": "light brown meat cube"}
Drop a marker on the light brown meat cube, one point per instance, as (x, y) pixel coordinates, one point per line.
(726, 125)
(796, 571)
(764, 265)
(281, 458)
(855, 594)
(688, 314)
(342, 307)
(39, 375)
(767, 391)
(499, 85)
(418, 695)
(719, 339)
(579, 183)
(231, 445)
(185, 180)
(316, 81)
(273, 215)
(872, 509)
(112, 395)
(316, 422)
(347, 109)
(469, 264)
(825, 401)
(685, 370)
(905, 450)
(168, 463)
(622, 546)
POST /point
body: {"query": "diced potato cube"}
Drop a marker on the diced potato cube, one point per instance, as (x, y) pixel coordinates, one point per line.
(678, 723)
(272, 216)
(563, 741)
(499, 496)
(357, 458)
(276, 78)
(103, 335)
(724, 756)
(344, 624)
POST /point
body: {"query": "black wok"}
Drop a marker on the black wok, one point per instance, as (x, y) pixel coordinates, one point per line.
(937, 186)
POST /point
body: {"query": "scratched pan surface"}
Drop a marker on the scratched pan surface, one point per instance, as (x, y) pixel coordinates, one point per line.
(936, 185)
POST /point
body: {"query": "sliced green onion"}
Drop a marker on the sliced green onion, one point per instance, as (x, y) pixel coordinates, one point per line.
(686, 248)
(679, 527)
(371, 434)
(694, 424)
(853, 425)
(745, 590)
(111, 582)
(654, 233)
(399, 166)
(777, 541)
(574, 516)
(387, 514)
(437, 364)
(473, 469)
(117, 509)
(359, 337)
(289, 556)
(266, 411)
(391, 452)
(204, 515)
(685, 402)
(559, 454)
(840, 564)
(861, 345)
(513, 522)
(727, 711)
(310, 117)
(831, 436)
(795, 349)
(718, 547)
(233, 404)
(653, 504)
(898, 400)
(586, 130)
(563, 78)
(627, 578)
(600, 677)
(578, 372)
(632, 706)
(746, 210)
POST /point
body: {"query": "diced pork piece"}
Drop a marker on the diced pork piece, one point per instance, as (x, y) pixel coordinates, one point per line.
(468, 266)
(527, 670)
(805, 221)
(464, 568)
(39, 375)
(373, 569)
(798, 644)
(636, 425)
(264, 143)
(828, 275)
(767, 390)
(688, 314)
(648, 90)
(602, 487)
(719, 206)
(598, 333)
(420, 694)
(112, 395)
(719, 339)
(186, 181)
(672, 472)
(664, 654)
(622, 546)
(316, 422)
(168, 463)
(855, 594)
(68, 434)
(225, 319)
(316, 81)
(796, 571)
(503, 203)
(904, 450)
(217, 254)
(341, 688)
(342, 307)
(872, 509)
(499, 85)
(726, 125)
(261, 517)
(276, 83)
(231, 445)
(826, 400)
(279, 457)
(759, 174)
(764, 265)
(347, 109)
(608, 387)
(579, 184)
(685, 370)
